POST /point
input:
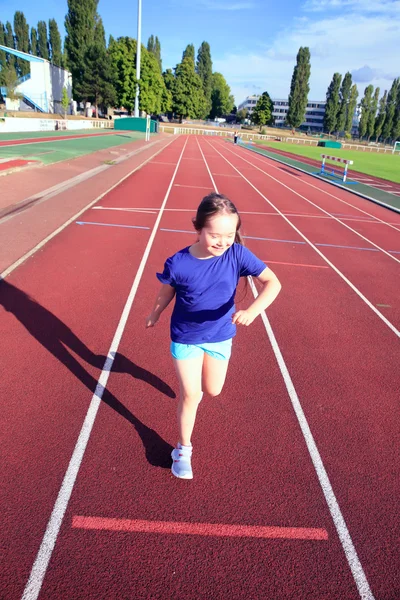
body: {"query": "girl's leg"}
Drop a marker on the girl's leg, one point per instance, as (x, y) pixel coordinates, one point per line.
(214, 374)
(189, 375)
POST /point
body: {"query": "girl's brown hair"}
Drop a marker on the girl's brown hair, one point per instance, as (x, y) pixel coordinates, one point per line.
(216, 204)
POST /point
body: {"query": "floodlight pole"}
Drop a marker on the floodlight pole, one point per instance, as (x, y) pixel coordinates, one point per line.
(138, 49)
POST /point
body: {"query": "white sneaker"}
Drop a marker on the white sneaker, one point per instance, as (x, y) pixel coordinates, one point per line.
(181, 466)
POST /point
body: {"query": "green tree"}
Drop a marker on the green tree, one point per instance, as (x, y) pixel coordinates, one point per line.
(157, 53)
(154, 47)
(332, 104)
(98, 79)
(55, 44)
(351, 108)
(123, 57)
(204, 69)
(10, 81)
(188, 99)
(241, 115)
(380, 119)
(43, 41)
(151, 44)
(262, 113)
(188, 52)
(169, 82)
(21, 30)
(3, 60)
(222, 100)
(9, 36)
(9, 42)
(390, 110)
(344, 102)
(396, 118)
(34, 41)
(372, 114)
(65, 101)
(153, 98)
(299, 88)
(80, 24)
(98, 83)
(366, 105)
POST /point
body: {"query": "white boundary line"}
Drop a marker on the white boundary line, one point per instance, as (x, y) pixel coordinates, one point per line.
(333, 505)
(353, 287)
(23, 258)
(316, 205)
(243, 212)
(40, 565)
(267, 159)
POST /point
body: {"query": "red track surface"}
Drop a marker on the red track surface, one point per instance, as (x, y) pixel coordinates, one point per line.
(52, 139)
(130, 529)
(352, 174)
(11, 164)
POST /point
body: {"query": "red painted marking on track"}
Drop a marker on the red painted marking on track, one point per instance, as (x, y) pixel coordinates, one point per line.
(10, 164)
(205, 529)
(51, 139)
(274, 262)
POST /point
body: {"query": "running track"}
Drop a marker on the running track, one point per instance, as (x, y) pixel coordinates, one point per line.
(54, 138)
(385, 185)
(297, 463)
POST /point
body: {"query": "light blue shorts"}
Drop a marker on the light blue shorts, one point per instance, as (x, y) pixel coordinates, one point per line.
(219, 350)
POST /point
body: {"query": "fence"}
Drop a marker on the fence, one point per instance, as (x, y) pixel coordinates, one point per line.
(276, 138)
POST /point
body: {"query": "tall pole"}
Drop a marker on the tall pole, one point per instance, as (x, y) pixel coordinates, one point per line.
(138, 49)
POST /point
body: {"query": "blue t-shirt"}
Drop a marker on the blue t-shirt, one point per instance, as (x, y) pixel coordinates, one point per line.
(205, 292)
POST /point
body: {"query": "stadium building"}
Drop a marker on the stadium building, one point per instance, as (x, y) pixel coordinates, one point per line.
(41, 89)
(315, 111)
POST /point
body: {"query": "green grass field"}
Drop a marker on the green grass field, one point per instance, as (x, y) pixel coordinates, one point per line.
(51, 152)
(386, 166)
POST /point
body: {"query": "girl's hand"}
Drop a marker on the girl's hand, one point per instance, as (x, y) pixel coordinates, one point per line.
(243, 317)
(151, 321)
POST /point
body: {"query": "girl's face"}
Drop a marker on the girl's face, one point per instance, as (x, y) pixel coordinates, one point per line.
(218, 234)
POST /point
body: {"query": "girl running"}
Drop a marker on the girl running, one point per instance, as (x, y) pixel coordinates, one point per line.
(203, 279)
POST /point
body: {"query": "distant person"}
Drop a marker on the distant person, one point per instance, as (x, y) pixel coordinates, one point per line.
(235, 137)
(203, 279)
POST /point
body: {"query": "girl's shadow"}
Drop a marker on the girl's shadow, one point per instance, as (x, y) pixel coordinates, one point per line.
(58, 339)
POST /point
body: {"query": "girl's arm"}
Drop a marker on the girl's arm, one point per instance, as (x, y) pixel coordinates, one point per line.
(165, 295)
(270, 290)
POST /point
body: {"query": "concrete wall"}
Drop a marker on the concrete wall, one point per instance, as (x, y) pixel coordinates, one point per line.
(14, 124)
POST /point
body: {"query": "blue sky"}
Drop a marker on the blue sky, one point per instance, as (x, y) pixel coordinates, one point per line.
(254, 42)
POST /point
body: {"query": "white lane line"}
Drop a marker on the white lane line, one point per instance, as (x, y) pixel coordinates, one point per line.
(63, 186)
(243, 212)
(333, 505)
(151, 211)
(316, 206)
(349, 283)
(264, 159)
(340, 524)
(197, 187)
(40, 565)
(40, 245)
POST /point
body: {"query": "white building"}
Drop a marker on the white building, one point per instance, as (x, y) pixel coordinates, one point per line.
(314, 112)
(41, 89)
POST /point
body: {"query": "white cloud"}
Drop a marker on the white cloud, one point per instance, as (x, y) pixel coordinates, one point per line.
(362, 42)
(363, 6)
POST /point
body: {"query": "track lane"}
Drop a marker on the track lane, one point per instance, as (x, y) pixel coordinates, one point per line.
(240, 488)
(383, 238)
(343, 197)
(56, 339)
(382, 285)
(343, 352)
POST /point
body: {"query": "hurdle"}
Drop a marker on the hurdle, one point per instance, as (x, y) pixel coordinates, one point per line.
(325, 168)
